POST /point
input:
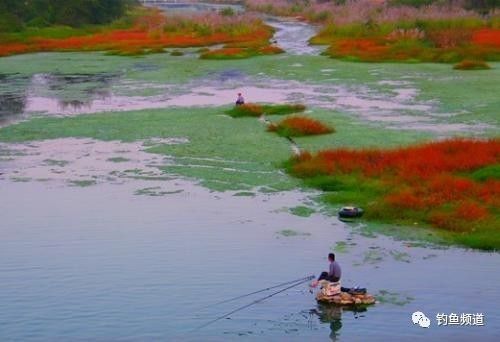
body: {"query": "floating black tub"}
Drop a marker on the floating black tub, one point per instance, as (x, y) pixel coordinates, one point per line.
(350, 212)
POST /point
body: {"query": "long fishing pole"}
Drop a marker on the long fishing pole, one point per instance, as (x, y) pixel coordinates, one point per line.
(259, 291)
(253, 303)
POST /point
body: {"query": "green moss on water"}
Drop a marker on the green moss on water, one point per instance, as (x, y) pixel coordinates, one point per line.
(215, 155)
(118, 159)
(302, 211)
(400, 256)
(155, 192)
(244, 194)
(20, 179)
(82, 183)
(53, 162)
(394, 298)
(435, 82)
(251, 159)
(342, 247)
(292, 233)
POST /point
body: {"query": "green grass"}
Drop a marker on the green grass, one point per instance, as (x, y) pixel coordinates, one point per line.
(487, 173)
(255, 110)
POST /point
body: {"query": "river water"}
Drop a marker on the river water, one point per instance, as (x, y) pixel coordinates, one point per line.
(142, 258)
(105, 263)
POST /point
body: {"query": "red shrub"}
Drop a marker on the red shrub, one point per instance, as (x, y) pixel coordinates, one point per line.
(270, 50)
(406, 199)
(487, 36)
(300, 125)
(471, 211)
(429, 178)
(450, 38)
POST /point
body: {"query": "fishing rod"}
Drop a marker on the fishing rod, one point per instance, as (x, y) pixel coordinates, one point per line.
(254, 302)
(259, 291)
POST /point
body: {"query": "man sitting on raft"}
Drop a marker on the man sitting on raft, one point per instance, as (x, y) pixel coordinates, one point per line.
(334, 273)
(240, 100)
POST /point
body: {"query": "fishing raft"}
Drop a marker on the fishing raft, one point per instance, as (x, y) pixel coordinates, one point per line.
(332, 293)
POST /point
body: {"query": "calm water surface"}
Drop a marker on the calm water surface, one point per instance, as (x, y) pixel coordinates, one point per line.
(103, 263)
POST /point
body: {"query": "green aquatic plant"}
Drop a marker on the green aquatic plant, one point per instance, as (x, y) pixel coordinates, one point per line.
(118, 159)
(302, 211)
(53, 162)
(82, 183)
(254, 109)
(244, 194)
(292, 233)
(342, 246)
(395, 298)
(156, 192)
(400, 256)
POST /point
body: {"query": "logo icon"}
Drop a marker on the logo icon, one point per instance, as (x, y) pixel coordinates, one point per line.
(421, 319)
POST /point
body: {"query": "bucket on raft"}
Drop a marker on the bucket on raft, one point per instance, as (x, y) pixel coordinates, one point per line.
(347, 213)
(332, 293)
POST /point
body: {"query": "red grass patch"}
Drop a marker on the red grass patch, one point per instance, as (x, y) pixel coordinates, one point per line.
(147, 34)
(300, 126)
(487, 36)
(471, 65)
(471, 211)
(270, 50)
(434, 45)
(364, 49)
(433, 179)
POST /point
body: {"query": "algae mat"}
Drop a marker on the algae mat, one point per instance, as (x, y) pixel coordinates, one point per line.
(426, 97)
(224, 153)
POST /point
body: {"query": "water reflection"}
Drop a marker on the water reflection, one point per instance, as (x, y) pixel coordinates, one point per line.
(332, 315)
(81, 84)
(12, 96)
(11, 105)
(57, 93)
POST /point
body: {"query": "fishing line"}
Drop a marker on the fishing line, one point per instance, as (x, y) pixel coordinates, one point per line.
(259, 291)
(253, 303)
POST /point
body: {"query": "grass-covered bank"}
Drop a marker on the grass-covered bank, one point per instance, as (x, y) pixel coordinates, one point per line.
(142, 30)
(403, 31)
(433, 40)
(452, 185)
